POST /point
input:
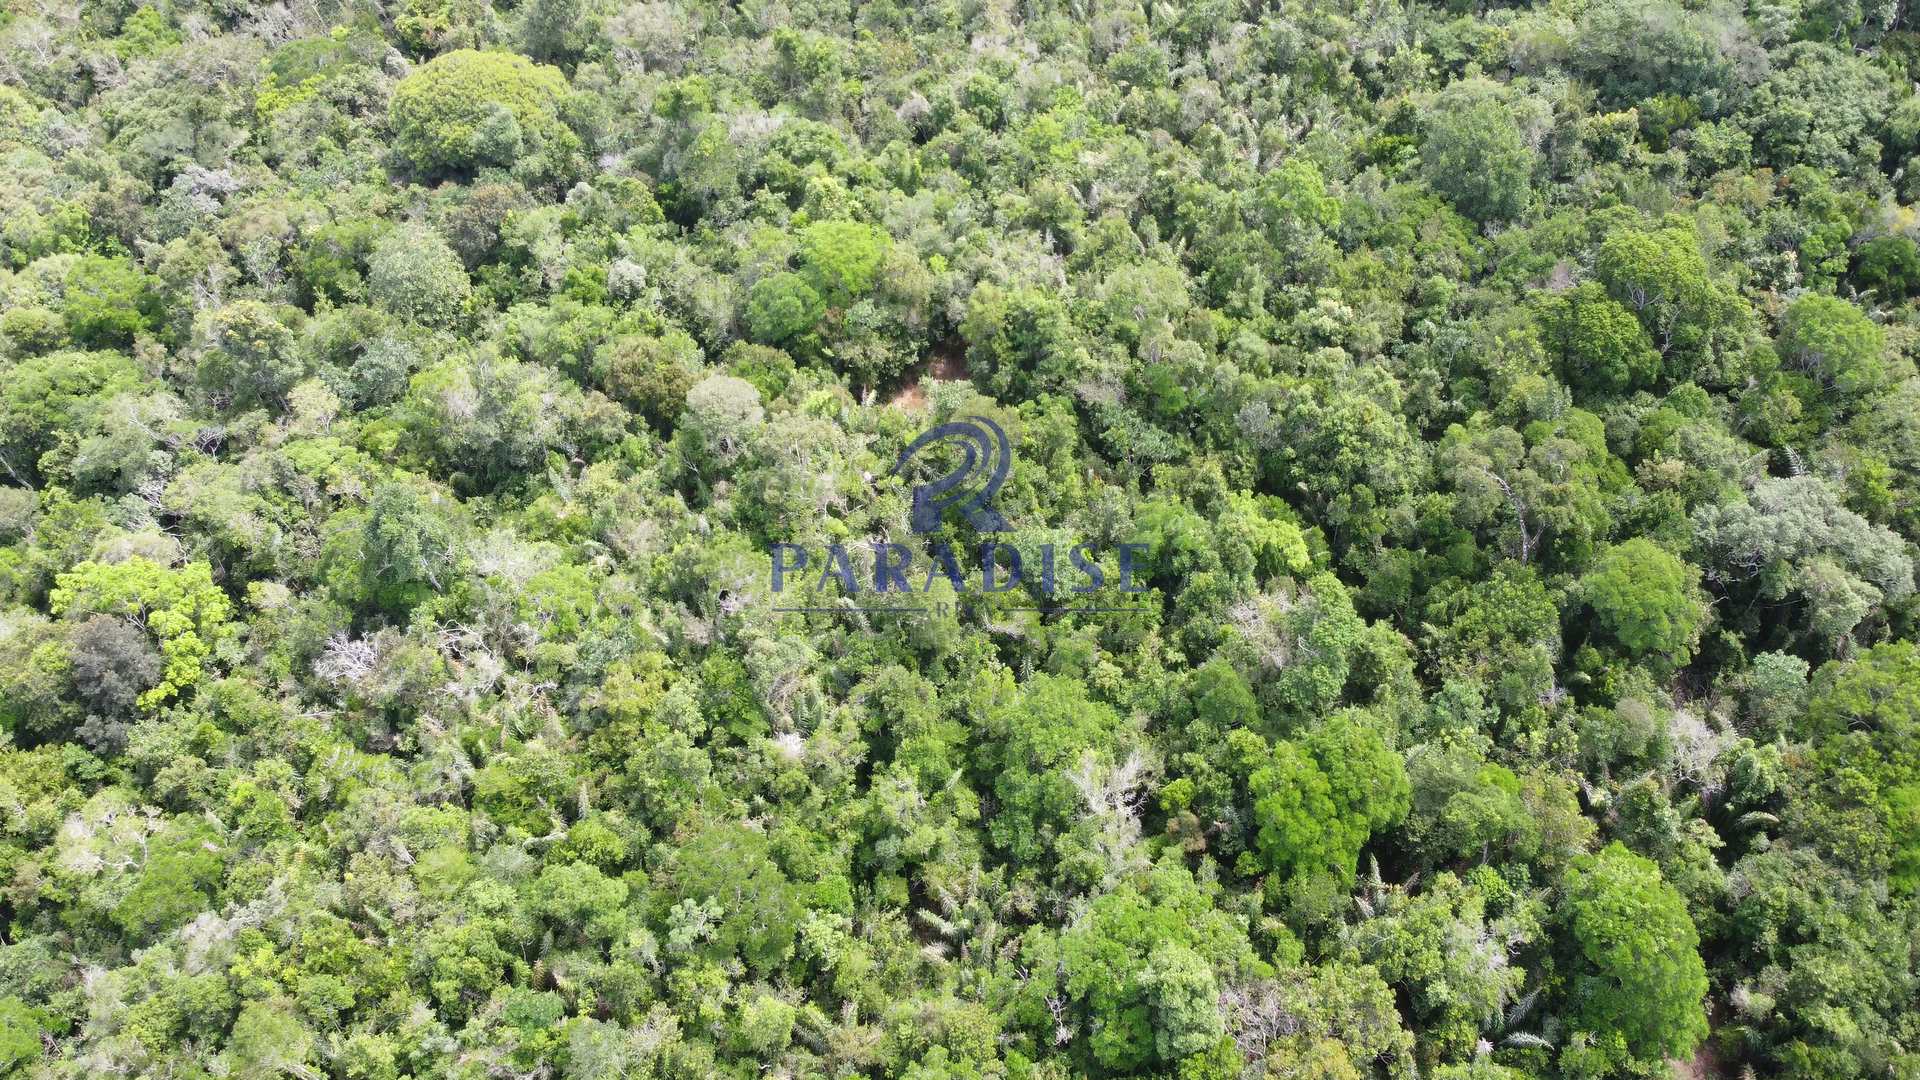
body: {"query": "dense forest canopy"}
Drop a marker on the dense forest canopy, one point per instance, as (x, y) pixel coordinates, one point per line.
(1516, 408)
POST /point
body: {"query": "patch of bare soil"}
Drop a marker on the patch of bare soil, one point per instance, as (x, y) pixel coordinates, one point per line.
(945, 362)
(1705, 1064)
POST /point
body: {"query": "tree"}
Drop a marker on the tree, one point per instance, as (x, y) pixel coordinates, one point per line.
(1466, 807)
(416, 275)
(1298, 644)
(1366, 779)
(21, 1028)
(184, 862)
(1317, 805)
(466, 108)
(1835, 342)
(1502, 634)
(842, 259)
(1600, 343)
(729, 897)
(1794, 537)
(268, 1040)
(1662, 277)
(721, 415)
(1330, 1019)
(248, 354)
(432, 26)
(1634, 50)
(108, 301)
(1794, 914)
(1022, 338)
(766, 1025)
(1774, 694)
(50, 398)
(1182, 993)
(408, 544)
(563, 30)
(184, 612)
(481, 417)
(1542, 492)
(1340, 432)
(783, 309)
(580, 901)
(1647, 600)
(1297, 818)
(1454, 961)
(1819, 106)
(1034, 742)
(113, 665)
(1143, 966)
(1636, 970)
(653, 374)
(1889, 265)
(1474, 153)
(1859, 797)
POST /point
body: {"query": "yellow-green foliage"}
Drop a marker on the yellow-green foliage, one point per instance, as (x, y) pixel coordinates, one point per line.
(182, 608)
(275, 96)
(471, 108)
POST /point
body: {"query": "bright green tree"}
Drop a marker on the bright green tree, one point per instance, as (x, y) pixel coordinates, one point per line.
(842, 258)
(108, 301)
(181, 608)
(1646, 599)
(1636, 969)
(1601, 344)
(468, 108)
(1836, 342)
(1294, 809)
(1316, 803)
(1144, 964)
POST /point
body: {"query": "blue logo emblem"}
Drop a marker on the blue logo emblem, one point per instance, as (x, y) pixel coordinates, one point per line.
(971, 486)
(1059, 572)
